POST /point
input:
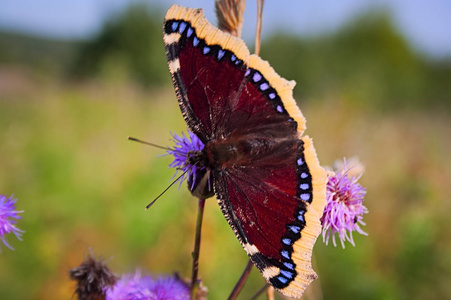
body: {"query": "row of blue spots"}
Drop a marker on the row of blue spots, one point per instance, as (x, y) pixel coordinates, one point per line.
(221, 52)
(304, 186)
(184, 26)
(301, 215)
(285, 276)
(256, 78)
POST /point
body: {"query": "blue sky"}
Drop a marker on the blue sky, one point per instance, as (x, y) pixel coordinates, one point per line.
(427, 23)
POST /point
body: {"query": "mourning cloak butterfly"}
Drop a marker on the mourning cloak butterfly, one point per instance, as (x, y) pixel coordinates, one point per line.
(267, 179)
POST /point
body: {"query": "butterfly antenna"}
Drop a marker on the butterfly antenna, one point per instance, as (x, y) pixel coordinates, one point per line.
(172, 183)
(147, 143)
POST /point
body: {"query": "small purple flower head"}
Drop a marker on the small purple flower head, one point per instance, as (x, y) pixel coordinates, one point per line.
(8, 219)
(170, 287)
(184, 147)
(344, 209)
(186, 152)
(137, 287)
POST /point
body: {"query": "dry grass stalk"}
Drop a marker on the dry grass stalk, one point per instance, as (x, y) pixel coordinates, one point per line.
(270, 293)
(230, 15)
(258, 32)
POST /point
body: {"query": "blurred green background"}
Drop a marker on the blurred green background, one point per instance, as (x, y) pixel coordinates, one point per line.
(67, 107)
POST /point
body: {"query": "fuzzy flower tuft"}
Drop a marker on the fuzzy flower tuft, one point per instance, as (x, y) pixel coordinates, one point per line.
(344, 209)
(8, 219)
(137, 287)
(93, 278)
(184, 147)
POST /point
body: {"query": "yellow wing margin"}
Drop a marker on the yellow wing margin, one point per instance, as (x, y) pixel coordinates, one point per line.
(302, 249)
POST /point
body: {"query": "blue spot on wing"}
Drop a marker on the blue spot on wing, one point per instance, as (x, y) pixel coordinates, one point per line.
(289, 265)
(287, 274)
(195, 41)
(182, 27)
(189, 32)
(282, 279)
(305, 197)
(264, 86)
(220, 54)
(174, 26)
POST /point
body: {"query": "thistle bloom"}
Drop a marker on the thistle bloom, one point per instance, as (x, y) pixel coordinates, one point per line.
(188, 158)
(8, 219)
(344, 209)
(137, 287)
(184, 146)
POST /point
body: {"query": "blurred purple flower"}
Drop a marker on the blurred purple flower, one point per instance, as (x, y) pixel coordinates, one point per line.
(136, 287)
(8, 219)
(184, 147)
(344, 209)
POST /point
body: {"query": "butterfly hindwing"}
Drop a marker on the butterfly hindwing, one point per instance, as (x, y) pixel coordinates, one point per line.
(274, 195)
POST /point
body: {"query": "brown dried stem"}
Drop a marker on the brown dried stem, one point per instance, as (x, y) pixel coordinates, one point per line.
(240, 284)
(195, 269)
(258, 32)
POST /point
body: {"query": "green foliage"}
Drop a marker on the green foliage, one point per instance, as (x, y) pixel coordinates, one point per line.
(129, 46)
(45, 55)
(367, 63)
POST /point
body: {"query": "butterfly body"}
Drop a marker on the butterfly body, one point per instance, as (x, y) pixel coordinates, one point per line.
(265, 175)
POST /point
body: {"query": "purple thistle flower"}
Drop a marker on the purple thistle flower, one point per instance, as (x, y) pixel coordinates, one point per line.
(136, 287)
(8, 219)
(344, 209)
(187, 154)
(184, 147)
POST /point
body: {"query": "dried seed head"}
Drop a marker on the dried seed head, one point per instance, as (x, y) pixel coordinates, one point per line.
(93, 279)
(230, 15)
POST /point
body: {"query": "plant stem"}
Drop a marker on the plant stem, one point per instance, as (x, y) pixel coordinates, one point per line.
(195, 269)
(261, 291)
(258, 32)
(239, 285)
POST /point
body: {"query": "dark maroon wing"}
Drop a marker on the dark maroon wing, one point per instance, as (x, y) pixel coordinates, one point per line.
(204, 76)
(225, 94)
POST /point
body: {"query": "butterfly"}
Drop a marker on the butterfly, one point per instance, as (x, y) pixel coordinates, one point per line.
(265, 175)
